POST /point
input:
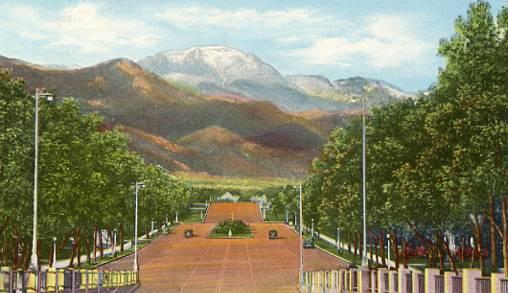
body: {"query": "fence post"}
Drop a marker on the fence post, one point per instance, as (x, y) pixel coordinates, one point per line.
(373, 281)
(448, 282)
(100, 280)
(363, 280)
(402, 280)
(73, 280)
(468, 280)
(430, 283)
(495, 282)
(393, 281)
(31, 286)
(51, 279)
(61, 279)
(381, 281)
(4, 279)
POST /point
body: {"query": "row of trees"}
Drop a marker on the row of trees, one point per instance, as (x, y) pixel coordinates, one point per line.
(437, 164)
(86, 173)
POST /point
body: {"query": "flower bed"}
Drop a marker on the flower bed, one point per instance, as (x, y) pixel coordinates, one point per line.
(238, 230)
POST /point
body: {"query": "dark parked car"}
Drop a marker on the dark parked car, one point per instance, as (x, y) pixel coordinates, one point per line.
(272, 234)
(308, 243)
(188, 233)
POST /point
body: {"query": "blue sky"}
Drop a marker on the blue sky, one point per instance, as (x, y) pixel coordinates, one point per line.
(394, 40)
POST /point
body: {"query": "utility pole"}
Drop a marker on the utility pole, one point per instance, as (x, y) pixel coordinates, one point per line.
(34, 264)
(137, 186)
(365, 259)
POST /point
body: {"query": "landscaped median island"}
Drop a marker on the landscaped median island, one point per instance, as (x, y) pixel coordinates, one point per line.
(234, 229)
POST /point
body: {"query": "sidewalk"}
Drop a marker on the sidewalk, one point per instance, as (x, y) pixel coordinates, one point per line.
(64, 263)
(343, 245)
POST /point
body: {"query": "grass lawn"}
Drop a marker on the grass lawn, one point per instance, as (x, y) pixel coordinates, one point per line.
(207, 181)
(270, 216)
(193, 217)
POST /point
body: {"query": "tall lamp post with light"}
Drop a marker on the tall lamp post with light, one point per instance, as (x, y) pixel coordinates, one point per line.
(300, 268)
(137, 187)
(365, 259)
(34, 264)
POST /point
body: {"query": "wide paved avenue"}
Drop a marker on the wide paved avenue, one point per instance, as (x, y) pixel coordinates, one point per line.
(173, 263)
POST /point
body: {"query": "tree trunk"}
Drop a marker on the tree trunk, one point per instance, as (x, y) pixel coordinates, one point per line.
(442, 256)
(101, 244)
(405, 252)
(360, 240)
(463, 247)
(356, 245)
(492, 224)
(110, 236)
(87, 249)
(382, 248)
(78, 248)
(349, 242)
(50, 254)
(395, 248)
(74, 245)
(478, 235)
(122, 237)
(4, 251)
(452, 259)
(95, 243)
(26, 256)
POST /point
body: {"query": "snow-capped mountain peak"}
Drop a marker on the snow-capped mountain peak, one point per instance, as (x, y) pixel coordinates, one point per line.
(217, 64)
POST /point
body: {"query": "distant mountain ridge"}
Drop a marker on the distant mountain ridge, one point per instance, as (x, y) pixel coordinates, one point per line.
(349, 90)
(221, 70)
(172, 126)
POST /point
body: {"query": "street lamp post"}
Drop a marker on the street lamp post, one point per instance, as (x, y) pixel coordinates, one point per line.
(113, 252)
(38, 94)
(137, 186)
(338, 239)
(54, 253)
(312, 228)
(389, 250)
(365, 259)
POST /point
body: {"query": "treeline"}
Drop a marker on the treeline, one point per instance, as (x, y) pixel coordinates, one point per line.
(86, 177)
(436, 164)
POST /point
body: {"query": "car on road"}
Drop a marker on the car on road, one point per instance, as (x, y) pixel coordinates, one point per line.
(188, 233)
(272, 234)
(308, 243)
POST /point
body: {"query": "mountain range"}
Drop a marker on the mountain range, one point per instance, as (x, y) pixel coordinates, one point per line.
(186, 127)
(219, 70)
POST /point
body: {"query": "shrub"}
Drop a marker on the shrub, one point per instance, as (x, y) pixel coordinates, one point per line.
(236, 227)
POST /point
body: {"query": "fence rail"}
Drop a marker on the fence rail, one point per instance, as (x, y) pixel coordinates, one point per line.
(457, 284)
(482, 285)
(64, 280)
(402, 281)
(504, 286)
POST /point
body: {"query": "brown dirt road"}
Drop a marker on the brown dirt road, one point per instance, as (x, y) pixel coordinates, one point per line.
(173, 263)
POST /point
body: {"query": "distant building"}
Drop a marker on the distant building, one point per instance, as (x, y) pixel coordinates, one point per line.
(261, 200)
(228, 197)
(263, 203)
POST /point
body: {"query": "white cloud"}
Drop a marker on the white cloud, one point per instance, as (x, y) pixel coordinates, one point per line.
(383, 41)
(80, 26)
(199, 16)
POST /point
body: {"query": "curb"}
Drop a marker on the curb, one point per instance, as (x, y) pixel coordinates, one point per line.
(334, 255)
(132, 252)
